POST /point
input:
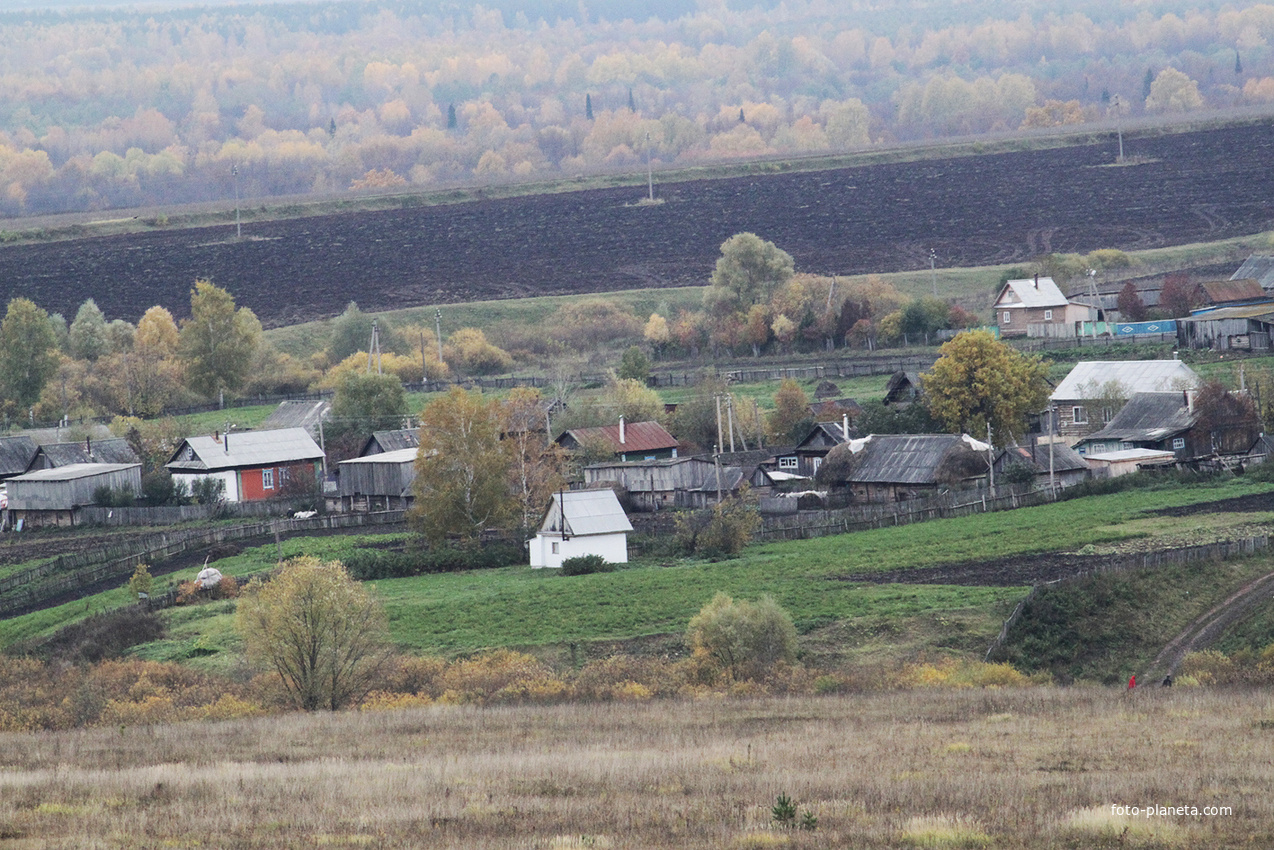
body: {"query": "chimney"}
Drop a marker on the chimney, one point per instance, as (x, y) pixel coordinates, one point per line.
(844, 426)
(621, 431)
(226, 443)
(1037, 280)
(1189, 394)
(88, 447)
(216, 436)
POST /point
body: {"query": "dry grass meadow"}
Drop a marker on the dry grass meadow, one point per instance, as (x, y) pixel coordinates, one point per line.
(1030, 767)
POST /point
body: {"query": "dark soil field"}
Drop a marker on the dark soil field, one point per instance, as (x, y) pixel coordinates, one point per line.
(1002, 208)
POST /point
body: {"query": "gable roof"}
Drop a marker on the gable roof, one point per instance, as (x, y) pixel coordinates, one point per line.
(1148, 417)
(74, 471)
(391, 441)
(1259, 267)
(16, 454)
(1031, 292)
(902, 385)
(1065, 459)
(244, 450)
(1234, 289)
(638, 437)
(298, 414)
(824, 433)
(54, 455)
(586, 512)
(913, 458)
(1133, 376)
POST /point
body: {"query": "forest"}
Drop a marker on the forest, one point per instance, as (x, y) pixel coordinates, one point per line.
(173, 104)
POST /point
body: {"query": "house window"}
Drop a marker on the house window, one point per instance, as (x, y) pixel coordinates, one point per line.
(1048, 315)
(267, 479)
(787, 463)
(1178, 443)
(1079, 415)
(1008, 317)
(557, 548)
(1107, 414)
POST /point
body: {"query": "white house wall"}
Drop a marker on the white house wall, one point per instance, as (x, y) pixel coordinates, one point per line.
(229, 477)
(612, 547)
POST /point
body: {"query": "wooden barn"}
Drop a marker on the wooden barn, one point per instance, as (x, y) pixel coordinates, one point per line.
(377, 482)
(899, 467)
(50, 497)
(1057, 462)
(54, 455)
(391, 441)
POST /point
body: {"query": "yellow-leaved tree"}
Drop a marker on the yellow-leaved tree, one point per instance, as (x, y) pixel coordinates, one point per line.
(979, 380)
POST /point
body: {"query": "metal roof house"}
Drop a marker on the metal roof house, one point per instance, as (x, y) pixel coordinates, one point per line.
(253, 464)
(582, 522)
(379, 481)
(1170, 422)
(629, 441)
(1057, 461)
(898, 467)
(1091, 393)
(817, 443)
(54, 455)
(50, 497)
(391, 441)
(1036, 307)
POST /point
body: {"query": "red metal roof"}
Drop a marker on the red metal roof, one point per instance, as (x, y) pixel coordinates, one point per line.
(638, 437)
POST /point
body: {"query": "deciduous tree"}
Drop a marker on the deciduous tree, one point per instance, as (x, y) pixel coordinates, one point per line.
(791, 416)
(462, 468)
(748, 272)
(321, 631)
(28, 355)
(217, 343)
(536, 464)
(979, 380)
(745, 639)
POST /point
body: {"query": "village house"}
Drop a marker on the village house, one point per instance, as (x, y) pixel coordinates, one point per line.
(54, 455)
(626, 441)
(1056, 462)
(1258, 267)
(376, 482)
(900, 467)
(1171, 422)
(1036, 307)
(582, 522)
(52, 497)
(809, 452)
(253, 465)
(1093, 392)
(902, 389)
(16, 454)
(1239, 317)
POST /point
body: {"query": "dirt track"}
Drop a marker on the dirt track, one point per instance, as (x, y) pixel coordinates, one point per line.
(1000, 208)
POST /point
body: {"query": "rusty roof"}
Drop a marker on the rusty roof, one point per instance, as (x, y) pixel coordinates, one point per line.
(1228, 291)
(638, 437)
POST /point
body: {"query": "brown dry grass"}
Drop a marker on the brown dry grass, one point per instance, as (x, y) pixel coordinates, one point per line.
(1022, 767)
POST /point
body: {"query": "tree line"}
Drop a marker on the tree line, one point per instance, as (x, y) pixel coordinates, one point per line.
(130, 108)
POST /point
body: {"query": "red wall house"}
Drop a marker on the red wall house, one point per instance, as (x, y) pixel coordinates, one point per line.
(253, 465)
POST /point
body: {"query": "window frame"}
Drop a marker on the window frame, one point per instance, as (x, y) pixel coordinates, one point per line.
(1079, 414)
(267, 479)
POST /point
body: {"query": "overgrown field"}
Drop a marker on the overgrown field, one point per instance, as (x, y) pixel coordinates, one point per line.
(1035, 768)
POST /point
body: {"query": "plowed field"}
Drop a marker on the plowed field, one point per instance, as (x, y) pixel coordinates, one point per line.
(999, 208)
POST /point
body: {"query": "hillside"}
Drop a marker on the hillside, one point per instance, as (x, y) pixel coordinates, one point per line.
(1200, 185)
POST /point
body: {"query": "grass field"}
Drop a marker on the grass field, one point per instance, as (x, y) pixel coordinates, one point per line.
(1034, 768)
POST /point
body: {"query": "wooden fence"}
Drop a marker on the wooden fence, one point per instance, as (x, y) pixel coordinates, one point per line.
(70, 572)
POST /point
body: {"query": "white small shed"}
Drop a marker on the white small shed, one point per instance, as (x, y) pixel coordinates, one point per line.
(582, 522)
(1127, 461)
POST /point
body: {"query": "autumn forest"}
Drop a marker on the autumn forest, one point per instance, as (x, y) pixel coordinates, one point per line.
(169, 105)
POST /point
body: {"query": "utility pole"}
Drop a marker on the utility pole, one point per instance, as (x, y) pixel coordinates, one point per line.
(238, 230)
(729, 411)
(1052, 428)
(373, 349)
(1119, 129)
(933, 271)
(438, 330)
(650, 174)
(717, 399)
(424, 373)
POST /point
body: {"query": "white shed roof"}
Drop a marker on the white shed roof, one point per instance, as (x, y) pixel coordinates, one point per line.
(247, 449)
(396, 456)
(1134, 376)
(1131, 454)
(587, 512)
(73, 471)
(1031, 293)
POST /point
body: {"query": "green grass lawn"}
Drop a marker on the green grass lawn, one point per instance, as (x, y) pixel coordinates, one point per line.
(518, 606)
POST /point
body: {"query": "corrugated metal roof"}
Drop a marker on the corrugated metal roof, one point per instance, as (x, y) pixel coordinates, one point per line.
(1259, 267)
(1264, 312)
(1133, 454)
(1031, 293)
(73, 471)
(906, 458)
(1147, 417)
(396, 456)
(1234, 289)
(1134, 376)
(638, 437)
(16, 454)
(245, 450)
(587, 512)
(1064, 457)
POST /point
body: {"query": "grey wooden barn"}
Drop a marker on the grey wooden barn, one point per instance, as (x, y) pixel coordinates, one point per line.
(378, 482)
(50, 497)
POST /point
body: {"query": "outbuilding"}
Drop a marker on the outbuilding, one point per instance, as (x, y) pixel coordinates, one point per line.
(50, 497)
(582, 522)
(377, 482)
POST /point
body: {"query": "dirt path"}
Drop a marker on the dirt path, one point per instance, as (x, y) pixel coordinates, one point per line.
(1207, 628)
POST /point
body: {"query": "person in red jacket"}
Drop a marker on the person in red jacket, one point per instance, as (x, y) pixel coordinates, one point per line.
(1132, 681)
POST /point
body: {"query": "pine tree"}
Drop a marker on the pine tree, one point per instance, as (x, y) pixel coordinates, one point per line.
(632, 104)
(1238, 64)
(588, 106)
(451, 117)
(1147, 82)
(331, 127)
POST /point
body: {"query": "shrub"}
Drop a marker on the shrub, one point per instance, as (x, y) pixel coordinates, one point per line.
(721, 532)
(102, 636)
(371, 564)
(106, 497)
(744, 639)
(207, 491)
(584, 564)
